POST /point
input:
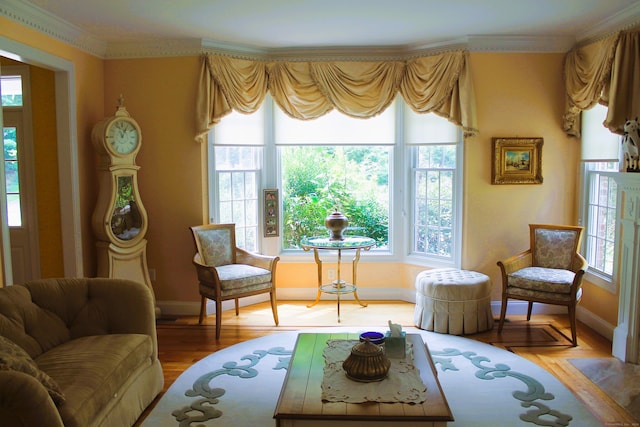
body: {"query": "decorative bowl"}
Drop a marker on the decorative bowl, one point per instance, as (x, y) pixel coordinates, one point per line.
(366, 363)
(374, 337)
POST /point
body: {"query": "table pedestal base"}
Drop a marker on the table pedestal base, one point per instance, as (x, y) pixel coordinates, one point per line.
(338, 287)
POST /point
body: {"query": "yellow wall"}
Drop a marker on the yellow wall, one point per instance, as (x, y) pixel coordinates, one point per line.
(160, 95)
(518, 95)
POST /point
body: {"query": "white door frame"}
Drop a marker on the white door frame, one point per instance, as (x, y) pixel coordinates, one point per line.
(66, 121)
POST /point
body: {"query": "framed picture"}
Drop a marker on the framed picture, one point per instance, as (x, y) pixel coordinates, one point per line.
(271, 214)
(517, 161)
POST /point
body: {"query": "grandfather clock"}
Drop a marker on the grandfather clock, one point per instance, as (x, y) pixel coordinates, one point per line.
(119, 220)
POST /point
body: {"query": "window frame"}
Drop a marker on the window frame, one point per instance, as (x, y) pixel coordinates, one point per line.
(593, 275)
(401, 186)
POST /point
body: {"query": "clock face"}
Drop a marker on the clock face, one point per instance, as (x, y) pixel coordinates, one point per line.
(122, 136)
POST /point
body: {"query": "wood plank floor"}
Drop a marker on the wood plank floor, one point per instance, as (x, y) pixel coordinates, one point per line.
(544, 341)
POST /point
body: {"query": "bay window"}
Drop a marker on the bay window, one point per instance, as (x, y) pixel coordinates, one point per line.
(395, 176)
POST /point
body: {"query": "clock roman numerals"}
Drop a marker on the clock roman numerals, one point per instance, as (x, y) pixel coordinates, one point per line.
(123, 137)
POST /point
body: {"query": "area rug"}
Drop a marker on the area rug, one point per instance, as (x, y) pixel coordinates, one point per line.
(620, 381)
(484, 386)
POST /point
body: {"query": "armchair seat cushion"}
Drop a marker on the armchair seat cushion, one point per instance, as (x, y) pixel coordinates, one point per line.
(234, 276)
(528, 294)
(552, 280)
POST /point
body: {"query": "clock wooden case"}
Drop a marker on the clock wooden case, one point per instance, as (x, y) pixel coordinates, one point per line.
(119, 220)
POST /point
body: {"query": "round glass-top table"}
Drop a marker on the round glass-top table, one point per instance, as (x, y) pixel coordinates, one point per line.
(337, 287)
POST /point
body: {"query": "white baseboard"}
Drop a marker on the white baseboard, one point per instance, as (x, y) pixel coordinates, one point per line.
(191, 308)
(596, 323)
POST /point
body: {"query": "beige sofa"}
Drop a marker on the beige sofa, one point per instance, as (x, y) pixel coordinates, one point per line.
(77, 352)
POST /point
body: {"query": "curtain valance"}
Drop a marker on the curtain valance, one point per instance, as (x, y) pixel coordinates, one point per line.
(306, 90)
(605, 71)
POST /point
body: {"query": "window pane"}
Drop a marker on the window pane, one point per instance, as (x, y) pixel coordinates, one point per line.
(14, 215)
(12, 177)
(428, 129)
(11, 89)
(316, 180)
(436, 163)
(240, 129)
(336, 128)
(234, 158)
(226, 212)
(237, 192)
(224, 187)
(601, 217)
(11, 172)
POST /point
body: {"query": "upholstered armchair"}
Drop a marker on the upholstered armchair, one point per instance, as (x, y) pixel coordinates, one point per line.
(549, 272)
(226, 272)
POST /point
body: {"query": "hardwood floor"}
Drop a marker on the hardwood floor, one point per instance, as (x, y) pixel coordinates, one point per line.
(544, 340)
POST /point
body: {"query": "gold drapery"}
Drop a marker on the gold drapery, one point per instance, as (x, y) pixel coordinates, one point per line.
(306, 90)
(624, 96)
(605, 71)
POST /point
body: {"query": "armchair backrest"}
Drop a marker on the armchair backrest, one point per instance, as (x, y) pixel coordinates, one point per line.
(554, 246)
(216, 243)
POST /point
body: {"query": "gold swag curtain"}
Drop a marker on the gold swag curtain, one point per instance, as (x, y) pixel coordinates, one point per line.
(307, 90)
(605, 71)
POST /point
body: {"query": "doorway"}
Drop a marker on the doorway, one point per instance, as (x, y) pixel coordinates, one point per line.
(67, 157)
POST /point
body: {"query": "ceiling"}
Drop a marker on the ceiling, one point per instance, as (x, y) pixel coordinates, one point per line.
(306, 24)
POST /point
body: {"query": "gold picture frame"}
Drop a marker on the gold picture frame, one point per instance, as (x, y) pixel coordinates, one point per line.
(271, 213)
(517, 161)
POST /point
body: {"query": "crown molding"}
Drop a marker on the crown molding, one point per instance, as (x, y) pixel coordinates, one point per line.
(515, 43)
(154, 48)
(34, 17)
(625, 19)
(41, 20)
(325, 54)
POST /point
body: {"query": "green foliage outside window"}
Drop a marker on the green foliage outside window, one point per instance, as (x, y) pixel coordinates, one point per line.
(319, 180)
(11, 159)
(11, 100)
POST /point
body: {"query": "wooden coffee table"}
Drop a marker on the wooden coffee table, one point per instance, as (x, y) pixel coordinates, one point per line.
(300, 402)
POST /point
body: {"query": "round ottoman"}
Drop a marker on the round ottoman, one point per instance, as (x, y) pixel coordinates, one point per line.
(453, 301)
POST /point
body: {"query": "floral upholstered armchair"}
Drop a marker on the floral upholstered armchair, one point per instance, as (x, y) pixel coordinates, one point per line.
(549, 272)
(226, 272)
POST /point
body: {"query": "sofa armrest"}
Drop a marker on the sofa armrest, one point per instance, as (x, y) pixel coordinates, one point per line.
(25, 402)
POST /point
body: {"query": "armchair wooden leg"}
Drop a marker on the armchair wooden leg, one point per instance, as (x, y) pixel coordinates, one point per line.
(503, 313)
(218, 318)
(572, 320)
(274, 307)
(203, 309)
(237, 307)
(529, 310)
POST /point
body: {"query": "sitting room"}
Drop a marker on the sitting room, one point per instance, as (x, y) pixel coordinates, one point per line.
(365, 163)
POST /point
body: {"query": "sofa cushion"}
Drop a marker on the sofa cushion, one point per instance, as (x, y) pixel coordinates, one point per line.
(91, 370)
(14, 358)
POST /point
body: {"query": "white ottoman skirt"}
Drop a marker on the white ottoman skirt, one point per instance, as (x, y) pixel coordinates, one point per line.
(453, 301)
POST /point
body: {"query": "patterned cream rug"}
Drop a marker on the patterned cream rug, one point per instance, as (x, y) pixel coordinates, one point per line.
(484, 386)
